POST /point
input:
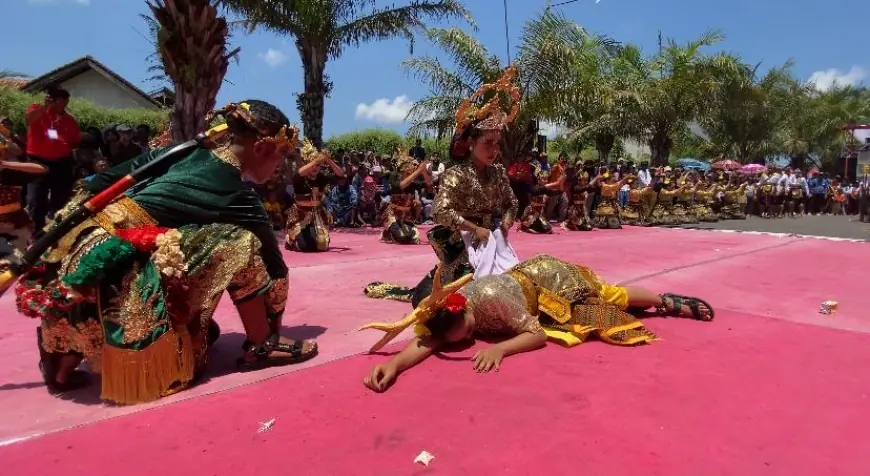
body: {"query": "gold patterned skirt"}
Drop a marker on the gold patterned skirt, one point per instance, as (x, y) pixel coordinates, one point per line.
(573, 303)
(682, 210)
(704, 212)
(663, 214)
(399, 224)
(140, 316)
(632, 214)
(576, 218)
(607, 214)
(534, 218)
(731, 208)
(308, 227)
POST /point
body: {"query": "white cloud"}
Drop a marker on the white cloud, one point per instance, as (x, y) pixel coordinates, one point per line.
(825, 80)
(273, 57)
(384, 110)
(551, 130)
(83, 2)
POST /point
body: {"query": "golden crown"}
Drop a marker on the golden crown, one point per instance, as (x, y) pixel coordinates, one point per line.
(490, 115)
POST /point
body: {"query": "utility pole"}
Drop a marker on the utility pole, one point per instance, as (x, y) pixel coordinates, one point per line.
(507, 37)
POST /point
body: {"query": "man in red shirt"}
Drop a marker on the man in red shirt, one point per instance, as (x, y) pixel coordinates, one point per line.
(52, 134)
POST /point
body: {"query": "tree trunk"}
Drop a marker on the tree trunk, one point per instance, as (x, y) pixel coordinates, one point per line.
(310, 103)
(660, 146)
(798, 161)
(604, 144)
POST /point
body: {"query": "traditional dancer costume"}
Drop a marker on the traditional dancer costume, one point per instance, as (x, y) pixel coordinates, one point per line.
(702, 207)
(569, 302)
(134, 288)
(633, 213)
(16, 227)
(534, 219)
(607, 213)
(682, 208)
(731, 209)
(399, 224)
(484, 198)
(663, 212)
(577, 218)
(308, 220)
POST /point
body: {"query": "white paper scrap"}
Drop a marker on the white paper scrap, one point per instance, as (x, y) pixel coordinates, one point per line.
(424, 458)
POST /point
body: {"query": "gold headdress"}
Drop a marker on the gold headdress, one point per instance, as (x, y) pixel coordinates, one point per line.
(308, 151)
(490, 115)
(286, 137)
(404, 162)
(422, 313)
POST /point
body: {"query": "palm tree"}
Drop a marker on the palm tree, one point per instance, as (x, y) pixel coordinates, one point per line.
(322, 29)
(747, 110)
(673, 88)
(548, 45)
(192, 44)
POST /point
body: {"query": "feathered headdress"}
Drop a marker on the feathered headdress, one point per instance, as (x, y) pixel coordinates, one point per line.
(424, 311)
(490, 115)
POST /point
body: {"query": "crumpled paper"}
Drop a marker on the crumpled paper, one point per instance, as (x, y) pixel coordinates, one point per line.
(424, 458)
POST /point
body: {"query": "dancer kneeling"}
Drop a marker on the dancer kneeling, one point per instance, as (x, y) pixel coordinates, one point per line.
(308, 220)
(399, 224)
(540, 298)
(133, 289)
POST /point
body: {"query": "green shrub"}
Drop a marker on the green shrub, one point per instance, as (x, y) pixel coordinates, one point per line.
(13, 104)
(383, 142)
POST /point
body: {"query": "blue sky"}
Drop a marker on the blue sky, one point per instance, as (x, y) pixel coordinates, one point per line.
(825, 37)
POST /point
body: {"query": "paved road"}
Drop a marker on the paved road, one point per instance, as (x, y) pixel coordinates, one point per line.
(830, 226)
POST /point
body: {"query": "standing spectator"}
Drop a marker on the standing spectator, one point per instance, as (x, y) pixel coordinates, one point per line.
(142, 136)
(818, 189)
(16, 138)
(52, 134)
(125, 149)
(436, 168)
(418, 152)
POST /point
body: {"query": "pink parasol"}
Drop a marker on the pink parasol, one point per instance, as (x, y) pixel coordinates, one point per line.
(753, 168)
(726, 165)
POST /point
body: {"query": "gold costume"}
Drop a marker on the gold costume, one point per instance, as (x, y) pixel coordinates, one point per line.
(731, 203)
(633, 213)
(607, 213)
(663, 212)
(702, 208)
(569, 302)
(682, 207)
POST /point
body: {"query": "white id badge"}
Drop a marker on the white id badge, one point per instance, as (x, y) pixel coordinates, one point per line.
(52, 134)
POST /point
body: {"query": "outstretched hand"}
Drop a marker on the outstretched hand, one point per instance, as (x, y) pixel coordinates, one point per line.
(381, 378)
(487, 359)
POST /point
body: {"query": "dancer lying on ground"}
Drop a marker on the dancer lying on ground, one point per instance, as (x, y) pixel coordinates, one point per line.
(133, 289)
(540, 298)
(474, 196)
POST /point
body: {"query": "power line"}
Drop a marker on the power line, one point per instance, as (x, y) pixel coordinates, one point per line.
(563, 3)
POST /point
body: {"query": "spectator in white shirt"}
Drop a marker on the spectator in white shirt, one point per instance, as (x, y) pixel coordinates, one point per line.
(436, 168)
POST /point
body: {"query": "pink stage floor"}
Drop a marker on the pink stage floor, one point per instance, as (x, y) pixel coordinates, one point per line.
(769, 388)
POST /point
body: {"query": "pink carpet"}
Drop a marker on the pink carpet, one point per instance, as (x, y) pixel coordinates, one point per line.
(769, 388)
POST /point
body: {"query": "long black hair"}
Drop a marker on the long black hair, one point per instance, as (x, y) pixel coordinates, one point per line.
(265, 115)
(442, 322)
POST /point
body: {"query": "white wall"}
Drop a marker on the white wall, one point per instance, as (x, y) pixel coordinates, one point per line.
(104, 92)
